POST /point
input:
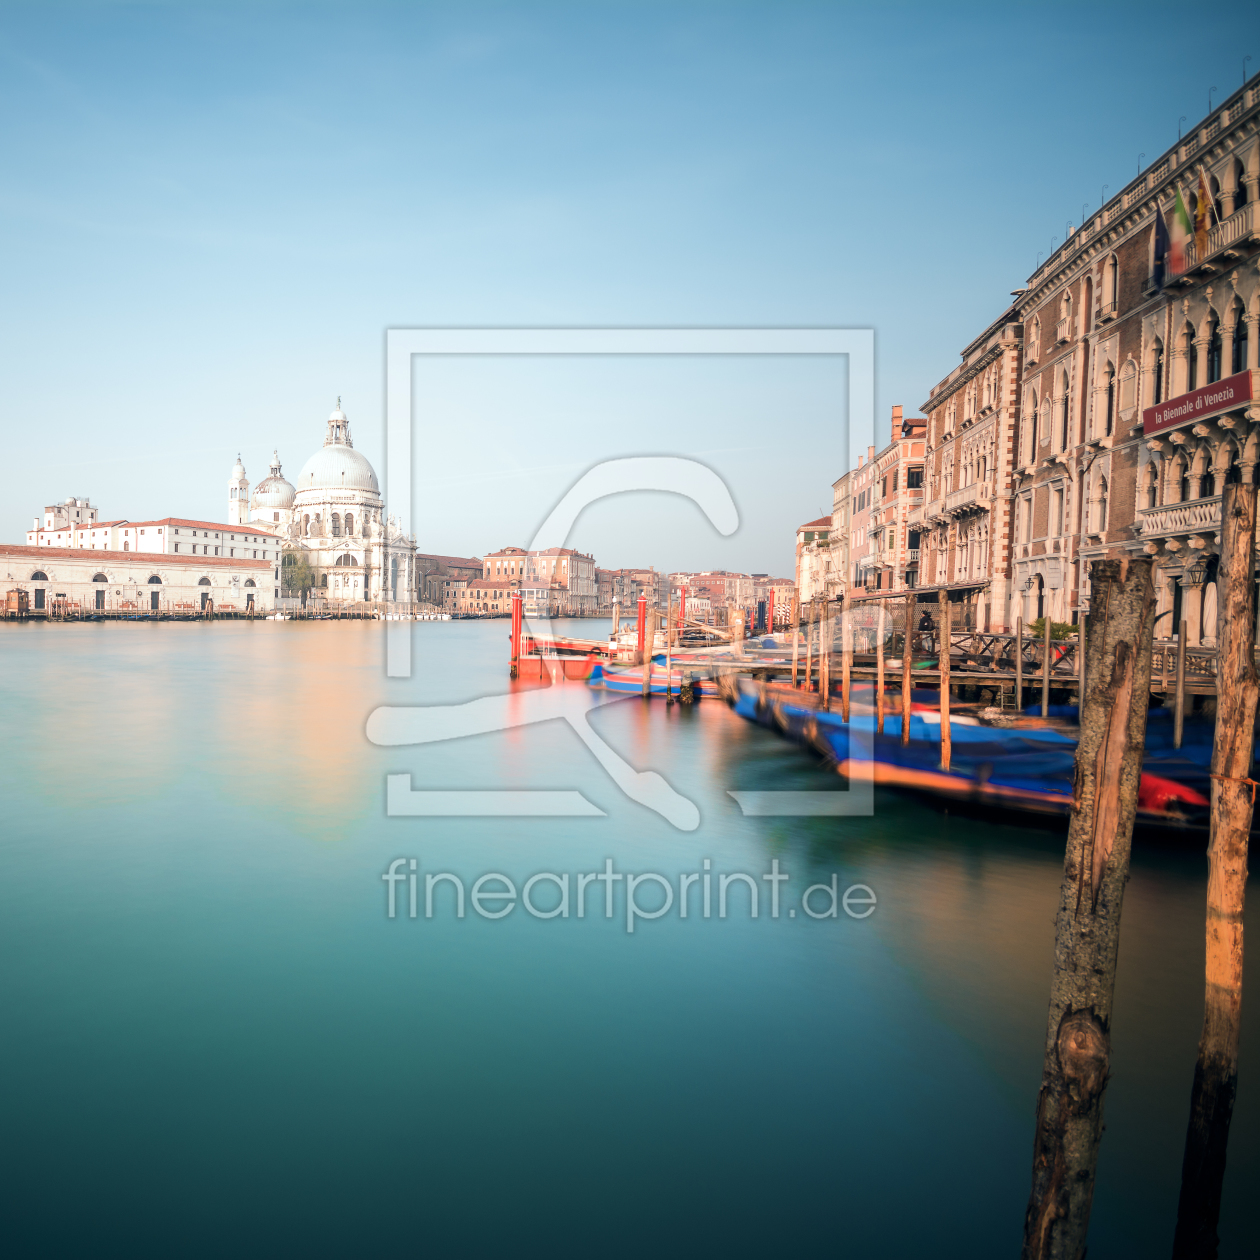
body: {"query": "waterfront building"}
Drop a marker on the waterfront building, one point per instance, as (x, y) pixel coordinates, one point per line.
(337, 520)
(813, 558)
(624, 586)
(138, 581)
(554, 581)
(69, 512)
(838, 572)
(441, 578)
(894, 485)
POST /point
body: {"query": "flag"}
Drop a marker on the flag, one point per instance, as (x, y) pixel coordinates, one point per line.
(1159, 256)
(1202, 218)
(1179, 231)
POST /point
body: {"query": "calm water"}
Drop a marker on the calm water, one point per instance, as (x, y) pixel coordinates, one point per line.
(215, 1042)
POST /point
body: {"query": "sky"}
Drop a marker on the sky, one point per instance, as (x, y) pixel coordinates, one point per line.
(209, 216)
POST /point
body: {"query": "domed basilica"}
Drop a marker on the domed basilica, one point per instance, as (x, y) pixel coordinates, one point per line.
(335, 516)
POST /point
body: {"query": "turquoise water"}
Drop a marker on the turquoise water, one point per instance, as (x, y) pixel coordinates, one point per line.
(216, 1042)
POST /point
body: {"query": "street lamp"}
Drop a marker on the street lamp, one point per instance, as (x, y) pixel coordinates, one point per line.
(1197, 571)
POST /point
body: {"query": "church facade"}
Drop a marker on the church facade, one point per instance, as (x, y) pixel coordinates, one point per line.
(335, 518)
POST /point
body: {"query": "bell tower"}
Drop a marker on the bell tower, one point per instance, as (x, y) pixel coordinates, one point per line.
(238, 495)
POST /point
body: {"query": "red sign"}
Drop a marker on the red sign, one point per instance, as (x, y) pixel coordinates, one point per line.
(1199, 404)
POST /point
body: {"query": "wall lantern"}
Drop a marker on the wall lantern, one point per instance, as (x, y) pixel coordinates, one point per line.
(1196, 572)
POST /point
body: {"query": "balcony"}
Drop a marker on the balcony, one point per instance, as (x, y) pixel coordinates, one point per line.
(972, 498)
(1063, 331)
(1106, 313)
(1241, 226)
(912, 555)
(1199, 516)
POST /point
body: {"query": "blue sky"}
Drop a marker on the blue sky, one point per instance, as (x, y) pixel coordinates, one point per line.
(210, 214)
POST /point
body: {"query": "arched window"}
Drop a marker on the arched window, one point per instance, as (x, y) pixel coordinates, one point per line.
(1183, 482)
(1034, 340)
(1214, 353)
(204, 582)
(351, 561)
(1128, 385)
(1216, 198)
(1109, 399)
(1102, 506)
(323, 580)
(100, 577)
(306, 525)
(349, 524)
(1240, 185)
(249, 581)
(1111, 284)
(1192, 359)
(1065, 411)
(336, 525)
(155, 580)
(1157, 372)
(1152, 486)
(39, 576)
(1032, 426)
(1239, 356)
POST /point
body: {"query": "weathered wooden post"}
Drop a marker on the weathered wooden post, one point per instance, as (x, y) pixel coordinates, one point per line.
(1019, 665)
(846, 658)
(515, 671)
(669, 655)
(1087, 925)
(796, 643)
(642, 627)
(649, 626)
(770, 612)
(879, 670)
(616, 630)
(911, 600)
(1047, 626)
(1179, 701)
(824, 659)
(947, 743)
(1233, 803)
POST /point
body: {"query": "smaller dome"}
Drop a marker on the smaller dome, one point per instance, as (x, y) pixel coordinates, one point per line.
(273, 491)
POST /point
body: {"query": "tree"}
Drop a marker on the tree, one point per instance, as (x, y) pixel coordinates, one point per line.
(297, 574)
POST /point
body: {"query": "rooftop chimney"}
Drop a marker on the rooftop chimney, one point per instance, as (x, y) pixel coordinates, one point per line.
(861, 460)
(896, 417)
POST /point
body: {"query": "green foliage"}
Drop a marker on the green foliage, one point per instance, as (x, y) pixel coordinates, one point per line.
(1058, 629)
(296, 573)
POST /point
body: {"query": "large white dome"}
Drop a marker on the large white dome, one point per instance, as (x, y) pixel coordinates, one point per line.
(336, 468)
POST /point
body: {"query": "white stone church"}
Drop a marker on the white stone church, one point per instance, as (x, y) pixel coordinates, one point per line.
(335, 514)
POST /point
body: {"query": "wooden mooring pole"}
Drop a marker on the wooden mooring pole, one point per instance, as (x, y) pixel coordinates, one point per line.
(1045, 667)
(649, 641)
(1087, 926)
(1179, 702)
(911, 600)
(947, 744)
(1233, 803)
(796, 642)
(824, 659)
(846, 660)
(879, 671)
(1019, 665)
(669, 653)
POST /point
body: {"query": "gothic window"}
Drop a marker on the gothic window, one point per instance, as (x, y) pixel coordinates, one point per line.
(1152, 486)
(1034, 339)
(1128, 385)
(1192, 358)
(1109, 405)
(1239, 356)
(1183, 481)
(1066, 407)
(1102, 506)
(1157, 372)
(1240, 186)
(1214, 353)
(1111, 283)
(1032, 426)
